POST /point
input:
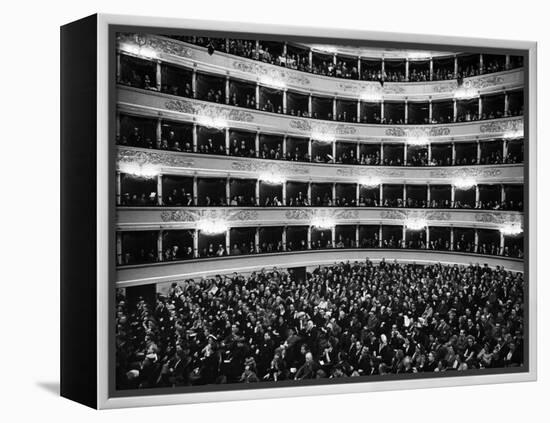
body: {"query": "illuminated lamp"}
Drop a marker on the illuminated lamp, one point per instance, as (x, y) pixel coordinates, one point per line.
(370, 182)
(322, 222)
(272, 82)
(465, 93)
(511, 229)
(139, 51)
(141, 170)
(513, 134)
(371, 97)
(416, 224)
(212, 122)
(212, 227)
(418, 141)
(323, 137)
(272, 178)
(464, 183)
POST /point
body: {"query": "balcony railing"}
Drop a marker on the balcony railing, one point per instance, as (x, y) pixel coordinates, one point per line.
(149, 218)
(153, 104)
(196, 268)
(130, 159)
(185, 54)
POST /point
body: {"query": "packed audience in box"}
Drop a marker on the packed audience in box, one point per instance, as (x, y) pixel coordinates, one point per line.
(182, 249)
(143, 74)
(298, 57)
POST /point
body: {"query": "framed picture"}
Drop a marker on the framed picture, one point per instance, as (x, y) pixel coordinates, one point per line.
(253, 211)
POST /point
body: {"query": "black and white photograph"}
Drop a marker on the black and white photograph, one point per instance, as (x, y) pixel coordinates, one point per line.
(291, 211)
(295, 211)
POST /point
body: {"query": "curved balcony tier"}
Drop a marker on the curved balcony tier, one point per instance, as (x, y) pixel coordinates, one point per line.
(170, 51)
(156, 218)
(153, 104)
(168, 162)
(374, 52)
(177, 271)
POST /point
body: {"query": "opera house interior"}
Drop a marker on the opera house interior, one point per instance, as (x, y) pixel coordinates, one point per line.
(289, 210)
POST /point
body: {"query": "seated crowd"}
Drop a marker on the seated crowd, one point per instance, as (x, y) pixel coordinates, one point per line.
(249, 100)
(298, 58)
(320, 107)
(183, 250)
(345, 320)
(339, 69)
(469, 116)
(183, 198)
(419, 75)
(138, 79)
(240, 148)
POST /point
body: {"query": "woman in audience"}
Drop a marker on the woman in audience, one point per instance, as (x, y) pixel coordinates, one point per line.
(349, 319)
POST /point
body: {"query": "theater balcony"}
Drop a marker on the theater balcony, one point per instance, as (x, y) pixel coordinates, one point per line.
(154, 105)
(187, 70)
(157, 235)
(150, 163)
(184, 134)
(235, 155)
(174, 271)
(155, 218)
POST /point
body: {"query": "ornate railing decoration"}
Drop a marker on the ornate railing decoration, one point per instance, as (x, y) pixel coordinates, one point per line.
(153, 218)
(266, 71)
(178, 216)
(510, 125)
(418, 131)
(483, 82)
(209, 214)
(466, 172)
(499, 218)
(285, 169)
(323, 129)
(369, 172)
(155, 44)
(415, 215)
(369, 88)
(299, 214)
(158, 158)
(309, 214)
(213, 112)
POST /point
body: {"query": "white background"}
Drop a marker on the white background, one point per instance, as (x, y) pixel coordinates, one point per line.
(29, 135)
